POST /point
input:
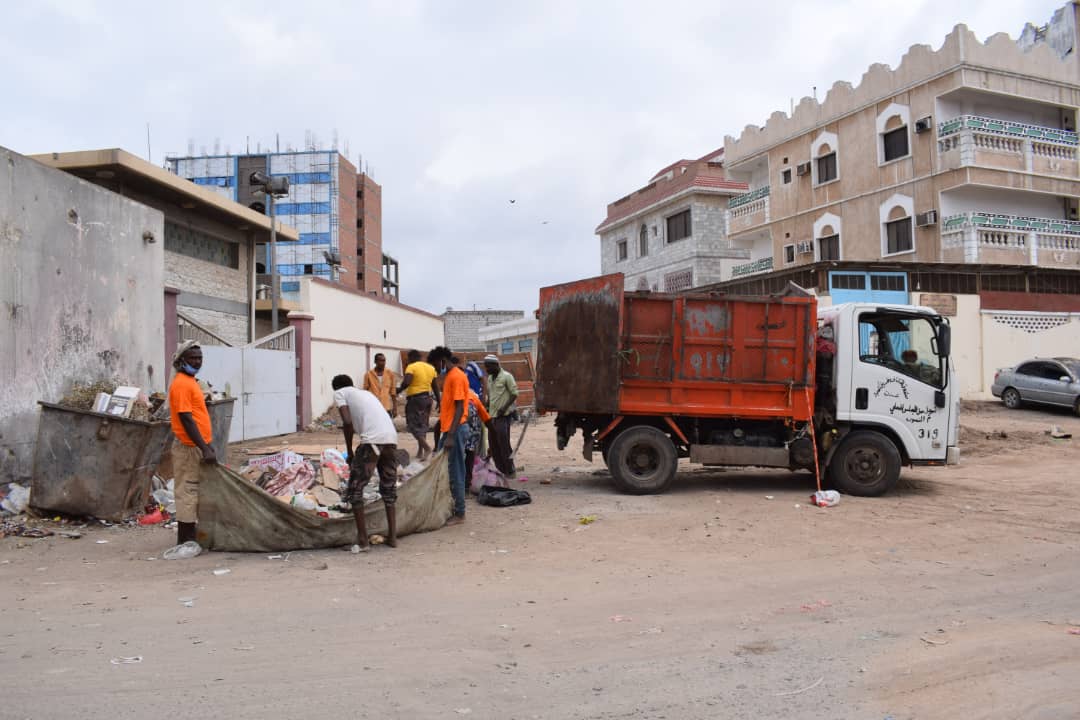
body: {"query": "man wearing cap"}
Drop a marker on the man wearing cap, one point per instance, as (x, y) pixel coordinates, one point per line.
(191, 426)
(501, 393)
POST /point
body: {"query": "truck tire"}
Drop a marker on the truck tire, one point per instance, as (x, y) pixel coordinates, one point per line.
(642, 460)
(866, 464)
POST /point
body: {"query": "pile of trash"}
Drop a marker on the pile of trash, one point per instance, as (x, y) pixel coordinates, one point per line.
(316, 485)
(112, 397)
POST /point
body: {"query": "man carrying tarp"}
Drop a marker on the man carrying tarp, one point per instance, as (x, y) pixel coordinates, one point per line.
(191, 426)
(362, 414)
(453, 422)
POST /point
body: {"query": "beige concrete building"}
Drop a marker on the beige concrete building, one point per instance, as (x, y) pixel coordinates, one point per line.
(965, 154)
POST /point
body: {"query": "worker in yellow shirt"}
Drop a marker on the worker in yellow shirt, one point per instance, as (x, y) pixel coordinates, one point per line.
(421, 393)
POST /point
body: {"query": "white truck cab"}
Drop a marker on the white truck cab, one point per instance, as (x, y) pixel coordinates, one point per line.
(892, 377)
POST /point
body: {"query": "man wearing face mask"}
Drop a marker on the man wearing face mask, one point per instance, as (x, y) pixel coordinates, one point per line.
(191, 426)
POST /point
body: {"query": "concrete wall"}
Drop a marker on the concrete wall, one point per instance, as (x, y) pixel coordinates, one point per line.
(82, 296)
(369, 210)
(349, 327)
(526, 329)
(463, 326)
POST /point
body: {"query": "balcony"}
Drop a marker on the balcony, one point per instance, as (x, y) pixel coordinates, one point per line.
(754, 267)
(749, 210)
(989, 142)
(981, 237)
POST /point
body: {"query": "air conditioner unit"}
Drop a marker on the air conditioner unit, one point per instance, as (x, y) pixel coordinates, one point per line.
(802, 169)
(924, 124)
(805, 247)
(927, 218)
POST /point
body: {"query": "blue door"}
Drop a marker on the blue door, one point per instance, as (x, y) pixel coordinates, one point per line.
(887, 288)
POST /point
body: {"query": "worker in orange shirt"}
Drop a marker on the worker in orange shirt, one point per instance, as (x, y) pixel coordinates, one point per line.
(192, 451)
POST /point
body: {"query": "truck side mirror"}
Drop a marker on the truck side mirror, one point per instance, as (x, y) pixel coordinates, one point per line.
(939, 399)
(944, 340)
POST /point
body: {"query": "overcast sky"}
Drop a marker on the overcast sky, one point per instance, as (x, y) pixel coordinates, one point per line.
(457, 107)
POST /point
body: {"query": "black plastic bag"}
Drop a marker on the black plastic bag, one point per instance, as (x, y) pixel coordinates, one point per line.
(495, 496)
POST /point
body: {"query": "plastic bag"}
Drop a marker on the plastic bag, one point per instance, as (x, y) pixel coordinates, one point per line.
(303, 501)
(485, 474)
(186, 551)
(825, 498)
(166, 497)
(17, 499)
(502, 497)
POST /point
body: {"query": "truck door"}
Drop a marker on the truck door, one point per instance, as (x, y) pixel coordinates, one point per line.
(577, 362)
(898, 380)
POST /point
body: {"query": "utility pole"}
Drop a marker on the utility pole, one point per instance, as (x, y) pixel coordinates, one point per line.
(273, 266)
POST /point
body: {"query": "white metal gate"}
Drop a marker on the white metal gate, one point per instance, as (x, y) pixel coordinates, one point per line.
(262, 377)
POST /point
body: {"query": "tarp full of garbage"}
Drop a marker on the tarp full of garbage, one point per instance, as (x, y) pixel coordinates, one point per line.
(281, 503)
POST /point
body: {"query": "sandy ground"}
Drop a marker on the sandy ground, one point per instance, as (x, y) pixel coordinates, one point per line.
(951, 598)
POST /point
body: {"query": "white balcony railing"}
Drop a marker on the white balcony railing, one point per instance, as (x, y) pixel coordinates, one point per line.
(975, 232)
(753, 267)
(981, 140)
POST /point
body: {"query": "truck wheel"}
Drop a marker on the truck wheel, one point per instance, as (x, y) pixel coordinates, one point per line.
(642, 460)
(1010, 398)
(867, 464)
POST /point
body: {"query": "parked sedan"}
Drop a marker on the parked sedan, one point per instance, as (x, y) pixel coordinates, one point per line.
(1044, 381)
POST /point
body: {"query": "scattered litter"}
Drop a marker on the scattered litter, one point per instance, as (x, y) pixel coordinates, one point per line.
(1073, 631)
(274, 557)
(102, 542)
(165, 497)
(244, 647)
(356, 549)
(135, 659)
(802, 690)
(187, 601)
(1057, 433)
(377, 540)
(14, 529)
(463, 711)
(587, 519)
(70, 534)
(651, 631)
(797, 505)
(928, 641)
(825, 498)
(545, 481)
(153, 518)
(188, 550)
(770, 497)
(621, 618)
(222, 571)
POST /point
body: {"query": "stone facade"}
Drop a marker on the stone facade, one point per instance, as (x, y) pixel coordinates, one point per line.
(461, 327)
(988, 171)
(706, 253)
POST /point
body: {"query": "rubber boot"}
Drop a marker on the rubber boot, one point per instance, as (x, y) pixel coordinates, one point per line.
(185, 532)
(391, 526)
(361, 527)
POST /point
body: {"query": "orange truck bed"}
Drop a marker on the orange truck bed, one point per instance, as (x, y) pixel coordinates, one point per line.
(605, 351)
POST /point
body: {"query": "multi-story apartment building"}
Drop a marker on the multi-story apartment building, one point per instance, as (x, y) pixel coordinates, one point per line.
(336, 210)
(670, 235)
(962, 155)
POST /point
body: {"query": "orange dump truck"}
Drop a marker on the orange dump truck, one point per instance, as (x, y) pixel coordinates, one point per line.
(744, 381)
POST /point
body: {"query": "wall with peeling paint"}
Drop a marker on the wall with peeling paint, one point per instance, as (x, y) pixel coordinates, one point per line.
(81, 298)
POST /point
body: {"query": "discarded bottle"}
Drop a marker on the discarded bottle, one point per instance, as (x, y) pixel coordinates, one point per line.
(188, 550)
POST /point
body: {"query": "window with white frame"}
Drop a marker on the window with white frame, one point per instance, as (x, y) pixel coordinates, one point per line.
(620, 251)
(894, 139)
(899, 237)
(827, 229)
(826, 166)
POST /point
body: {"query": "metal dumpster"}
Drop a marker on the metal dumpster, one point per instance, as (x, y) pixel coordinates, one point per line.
(88, 463)
(221, 414)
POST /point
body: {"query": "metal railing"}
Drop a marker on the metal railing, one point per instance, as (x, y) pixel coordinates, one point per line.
(1007, 128)
(748, 197)
(756, 266)
(188, 329)
(284, 339)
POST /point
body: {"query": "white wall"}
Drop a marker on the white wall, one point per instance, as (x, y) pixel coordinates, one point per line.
(1006, 345)
(1001, 202)
(350, 328)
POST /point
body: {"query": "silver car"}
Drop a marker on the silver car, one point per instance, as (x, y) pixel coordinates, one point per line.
(1045, 381)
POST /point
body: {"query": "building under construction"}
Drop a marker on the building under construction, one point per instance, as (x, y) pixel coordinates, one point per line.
(336, 210)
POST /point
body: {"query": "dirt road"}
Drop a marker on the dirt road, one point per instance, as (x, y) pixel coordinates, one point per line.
(951, 598)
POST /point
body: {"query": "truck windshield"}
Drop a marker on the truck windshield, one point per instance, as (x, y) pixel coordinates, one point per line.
(902, 343)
